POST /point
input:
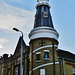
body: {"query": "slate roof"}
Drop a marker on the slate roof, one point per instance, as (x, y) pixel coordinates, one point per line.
(18, 47)
(40, 20)
(66, 55)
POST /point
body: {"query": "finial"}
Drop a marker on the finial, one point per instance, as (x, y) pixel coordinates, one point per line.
(42, 1)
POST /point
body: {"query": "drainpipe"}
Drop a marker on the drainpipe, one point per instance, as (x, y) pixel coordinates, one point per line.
(63, 66)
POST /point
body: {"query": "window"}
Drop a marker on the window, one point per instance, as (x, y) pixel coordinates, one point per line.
(46, 54)
(38, 56)
(42, 71)
(73, 71)
(9, 72)
(0, 72)
(16, 71)
(45, 14)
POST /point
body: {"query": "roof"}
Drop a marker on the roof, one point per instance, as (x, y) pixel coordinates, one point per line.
(66, 55)
(40, 20)
(16, 54)
(18, 47)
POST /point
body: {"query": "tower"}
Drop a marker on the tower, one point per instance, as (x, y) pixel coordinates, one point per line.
(43, 42)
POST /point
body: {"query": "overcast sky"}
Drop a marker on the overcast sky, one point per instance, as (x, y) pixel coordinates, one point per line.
(20, 14)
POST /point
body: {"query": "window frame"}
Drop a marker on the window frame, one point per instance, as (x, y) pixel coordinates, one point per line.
(17, 70)
(38, 60)
(42, 71)
(46, 58)
(73, 71)
(8, 70)
(45, 14)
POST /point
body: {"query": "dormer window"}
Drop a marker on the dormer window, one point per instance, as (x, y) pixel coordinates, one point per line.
(45, 14)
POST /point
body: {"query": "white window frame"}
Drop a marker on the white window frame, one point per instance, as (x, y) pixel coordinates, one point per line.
(44, 55)
(46, 50)
(45, 14)
(42, 71)
(40, 58)
(38, 52)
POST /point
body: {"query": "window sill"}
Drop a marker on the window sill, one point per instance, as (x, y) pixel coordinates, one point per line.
(46, 58)
(38, 61)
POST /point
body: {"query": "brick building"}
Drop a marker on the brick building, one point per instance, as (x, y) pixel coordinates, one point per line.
(42, 56)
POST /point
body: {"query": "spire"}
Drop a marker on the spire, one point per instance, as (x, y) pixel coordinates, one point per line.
(43, 25)
(43, 16)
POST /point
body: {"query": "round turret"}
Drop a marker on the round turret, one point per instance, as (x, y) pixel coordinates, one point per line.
(43, 43)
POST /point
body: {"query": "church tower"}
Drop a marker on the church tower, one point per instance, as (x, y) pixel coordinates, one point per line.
(43, 42)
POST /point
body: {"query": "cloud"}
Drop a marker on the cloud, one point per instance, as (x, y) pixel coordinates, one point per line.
(2, 42)
(15, 17)
(1, 46)
(18, 1)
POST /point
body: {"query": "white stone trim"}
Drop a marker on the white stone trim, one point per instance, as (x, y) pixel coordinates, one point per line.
(42, 48)
(44, 65)
(46, 50)
(38, 61)
(46, 58)
(41, 3)
(38, 52)
(43, 32)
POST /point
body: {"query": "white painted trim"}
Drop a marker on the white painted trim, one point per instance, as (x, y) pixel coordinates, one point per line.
(44, 65)
(46, 58)
(38, 52)
(46, 50)
(38, 61)
(42, 48)
(43, 32)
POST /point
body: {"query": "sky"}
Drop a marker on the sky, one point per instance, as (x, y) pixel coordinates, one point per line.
(20, 14)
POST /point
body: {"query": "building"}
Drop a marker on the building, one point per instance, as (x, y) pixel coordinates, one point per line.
(42, 57)
(11, 65)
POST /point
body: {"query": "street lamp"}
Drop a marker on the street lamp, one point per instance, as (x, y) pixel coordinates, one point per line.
(21, 71)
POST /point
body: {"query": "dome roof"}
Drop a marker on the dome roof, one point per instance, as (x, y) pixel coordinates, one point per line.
(43, 16)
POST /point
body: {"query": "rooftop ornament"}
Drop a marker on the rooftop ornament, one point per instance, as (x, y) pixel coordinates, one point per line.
(42, 1)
